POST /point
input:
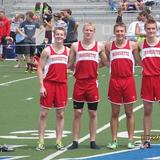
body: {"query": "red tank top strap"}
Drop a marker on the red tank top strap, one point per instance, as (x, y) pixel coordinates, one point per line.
(127, 46)
(65, 50)
(145, 44)
(94, 48)
(51, 50)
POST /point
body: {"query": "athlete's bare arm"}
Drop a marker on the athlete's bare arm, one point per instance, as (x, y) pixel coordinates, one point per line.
(72, 55)
(68, 51)
(42, 61)
(102, 55)
(136, 52)
(107, 52)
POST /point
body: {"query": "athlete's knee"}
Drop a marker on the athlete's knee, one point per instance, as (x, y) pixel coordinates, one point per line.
(43, 115)
(78, 113)
(115, 113)
(147, 113)
(60, 115)
(92, 114)
(129, 113)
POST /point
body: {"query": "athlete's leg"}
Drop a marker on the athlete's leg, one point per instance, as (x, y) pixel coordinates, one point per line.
(147, 119)
(78, 110)
(114, 120)
(92, 110)
(59, 124)
(42, 123)
(130, 122)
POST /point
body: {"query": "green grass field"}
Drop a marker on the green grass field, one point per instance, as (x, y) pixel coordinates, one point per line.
(19, 111)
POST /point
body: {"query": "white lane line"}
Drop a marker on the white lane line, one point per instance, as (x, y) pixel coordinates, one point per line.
(18, 80)
(51, 156)
(29, 98)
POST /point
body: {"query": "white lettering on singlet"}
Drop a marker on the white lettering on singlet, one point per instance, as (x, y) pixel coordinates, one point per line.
(150, 52)
(121, 53)
(87, 55)
(53, 59)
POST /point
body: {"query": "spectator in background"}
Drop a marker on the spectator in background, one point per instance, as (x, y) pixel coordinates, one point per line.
(124, 5)
(140, 31)
(72, 26)
(119, 16)
(48, 24)
(149, 3)
(29, 27)
(46, 7)
(58, 22)
(139, 5)
(37, 10)
(4, 31)
(15, 22)
(18, 38)
(132, 29)
(113, 5)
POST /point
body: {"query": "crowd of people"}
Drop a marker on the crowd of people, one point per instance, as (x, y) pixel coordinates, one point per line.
(21, 30)
(131, 5)
(85, 57)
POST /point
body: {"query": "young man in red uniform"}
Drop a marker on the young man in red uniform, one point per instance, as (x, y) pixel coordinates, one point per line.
(85, 56)
(122, 90)
(4, 31)
(52, 73)
(150, 90)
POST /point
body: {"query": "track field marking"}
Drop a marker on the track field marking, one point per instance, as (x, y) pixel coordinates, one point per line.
(18, 80)
(29, 98)
(23, 79)
(51, 156)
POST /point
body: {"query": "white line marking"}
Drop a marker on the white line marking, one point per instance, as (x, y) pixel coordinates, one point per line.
(18, 80)
(51, 156)
(29, 98)
(5, 76)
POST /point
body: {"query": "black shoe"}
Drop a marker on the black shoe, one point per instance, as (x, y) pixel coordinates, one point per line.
(146, 144)
(93, 145)
(4, 148)
(73, 146)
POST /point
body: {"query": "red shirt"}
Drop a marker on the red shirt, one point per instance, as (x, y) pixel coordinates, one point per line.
(122, 61)
(151, 59)
(4, 27)
(56, 66)
(87, 62)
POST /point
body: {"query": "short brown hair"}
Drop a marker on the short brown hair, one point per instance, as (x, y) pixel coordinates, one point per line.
(30, 14)
(60, 28)
(120, 24)
(67, 10)
(150, 20)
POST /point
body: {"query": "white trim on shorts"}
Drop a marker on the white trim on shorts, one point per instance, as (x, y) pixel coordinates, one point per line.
(121, 103)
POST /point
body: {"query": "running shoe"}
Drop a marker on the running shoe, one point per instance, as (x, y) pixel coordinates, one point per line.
(131, 144)
(113, 145)
(40, 146)
(60, 146)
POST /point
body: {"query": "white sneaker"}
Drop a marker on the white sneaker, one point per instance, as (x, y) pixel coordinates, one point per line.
(17, 66)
